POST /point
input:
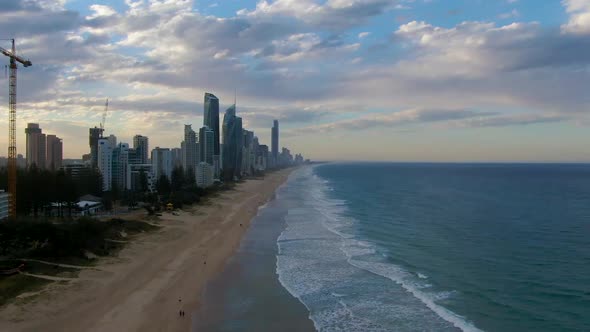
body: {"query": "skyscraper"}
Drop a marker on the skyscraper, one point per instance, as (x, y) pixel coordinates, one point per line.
(211, 119)
(112, 140)
(162, 163)
(247, 152)
(176, 155)
(275, 142)
(120, 160)
(36, 145)
(190, 150)
(206, 145)
(141, 145)
(54, 152)
(94, 135)
(230, 144)
(239, 139)
(105, 163)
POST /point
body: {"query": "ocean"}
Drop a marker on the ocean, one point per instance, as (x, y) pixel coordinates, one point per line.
(417, 247)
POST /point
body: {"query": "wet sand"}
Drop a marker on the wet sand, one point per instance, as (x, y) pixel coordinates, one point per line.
(247, 295)
(139, 290)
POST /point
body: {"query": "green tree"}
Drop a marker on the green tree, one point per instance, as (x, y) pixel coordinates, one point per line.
(143, 181)
(163, 185)
(177, 178)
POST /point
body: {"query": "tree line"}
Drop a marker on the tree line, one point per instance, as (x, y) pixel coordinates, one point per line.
(38, 188)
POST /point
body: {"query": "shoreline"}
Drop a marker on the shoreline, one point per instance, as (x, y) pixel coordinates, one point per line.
(248, 294)
(140, 288)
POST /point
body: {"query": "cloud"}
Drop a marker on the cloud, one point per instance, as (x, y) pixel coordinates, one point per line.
(579, 21)
(297, 61)
(511, 14)
(391, 119)
(331, 14)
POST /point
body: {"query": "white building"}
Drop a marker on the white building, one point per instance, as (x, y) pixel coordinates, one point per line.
(4, 204)
(134, 177)
(204, 175)
(190, 149)
(119, 165)
(105, 163)
(162, 163)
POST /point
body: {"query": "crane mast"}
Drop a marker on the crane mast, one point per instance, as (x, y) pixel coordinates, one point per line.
(12, 125)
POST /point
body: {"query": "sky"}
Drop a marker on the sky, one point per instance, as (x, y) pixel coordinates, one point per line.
(388, 80)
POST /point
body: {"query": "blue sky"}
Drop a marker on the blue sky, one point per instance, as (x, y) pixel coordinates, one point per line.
(410, 80)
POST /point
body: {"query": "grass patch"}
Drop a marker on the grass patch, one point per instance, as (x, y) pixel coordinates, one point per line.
(64, 242)
(12, 286)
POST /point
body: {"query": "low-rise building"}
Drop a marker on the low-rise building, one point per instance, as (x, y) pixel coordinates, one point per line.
(88, 208)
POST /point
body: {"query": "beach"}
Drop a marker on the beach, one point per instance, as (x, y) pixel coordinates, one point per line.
(155, 276)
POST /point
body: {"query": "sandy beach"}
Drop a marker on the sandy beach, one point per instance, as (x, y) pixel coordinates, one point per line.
(152, 278)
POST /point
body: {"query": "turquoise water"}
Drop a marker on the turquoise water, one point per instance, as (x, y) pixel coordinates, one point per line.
(436, 247)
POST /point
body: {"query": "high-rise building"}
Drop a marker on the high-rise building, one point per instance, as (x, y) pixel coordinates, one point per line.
(247, 152)
(105, 163)
(206, 145)
(285, 158)
(54, 152)
(94, 135)
(120, 160)
(230, 144)
(140, 144)
(275, 142)
(162, 163)
(204, 175)
(176, 155)
(36, 145)
(190, 149)
(135, 172)
(262, 157)
(4, 199)
(112, 140)
(134, 156)
(239, 137)
(211, 119)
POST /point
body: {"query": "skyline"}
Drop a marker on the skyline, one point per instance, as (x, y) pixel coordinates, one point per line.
(348, 80)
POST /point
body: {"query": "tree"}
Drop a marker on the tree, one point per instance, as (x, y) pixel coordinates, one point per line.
(177, 178)
(163, 185)
(143, 181)
(190, 179)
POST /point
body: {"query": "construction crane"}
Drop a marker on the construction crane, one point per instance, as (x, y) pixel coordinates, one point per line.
(104, 117)
(12, 124)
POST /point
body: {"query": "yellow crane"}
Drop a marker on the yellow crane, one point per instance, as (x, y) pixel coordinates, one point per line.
(12, 124)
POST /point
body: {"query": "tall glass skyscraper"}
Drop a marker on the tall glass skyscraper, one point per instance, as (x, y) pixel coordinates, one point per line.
(232, 144)
(275, 142)
(239, 137)
(229, 144)
(211, 119)
(206, 145)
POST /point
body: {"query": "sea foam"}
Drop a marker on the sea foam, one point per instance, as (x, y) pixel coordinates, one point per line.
(323, 263)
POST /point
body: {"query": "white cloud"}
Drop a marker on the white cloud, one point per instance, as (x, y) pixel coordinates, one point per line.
(579, 21)
(290, 55)
(511, 14)
(101, 10)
